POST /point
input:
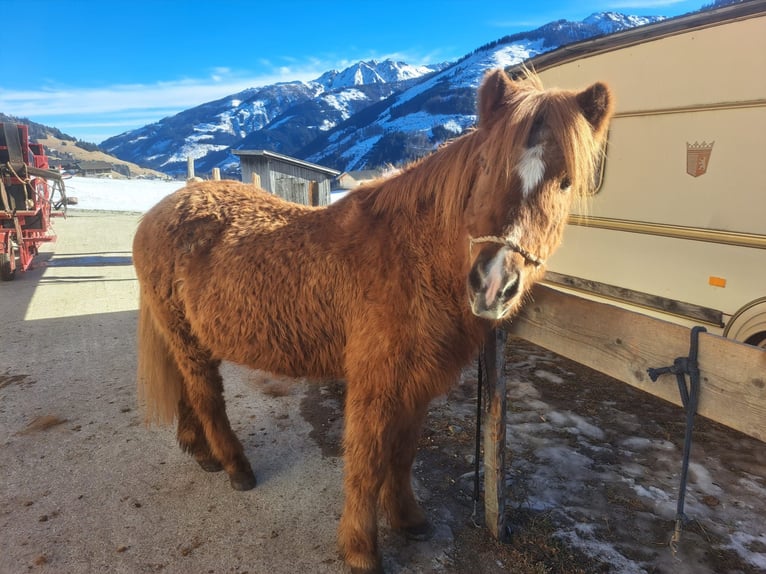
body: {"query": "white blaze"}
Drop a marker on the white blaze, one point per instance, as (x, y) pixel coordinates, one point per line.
(531, 168)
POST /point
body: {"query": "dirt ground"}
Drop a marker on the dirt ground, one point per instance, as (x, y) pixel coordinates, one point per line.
(86, 487)
(593, 475)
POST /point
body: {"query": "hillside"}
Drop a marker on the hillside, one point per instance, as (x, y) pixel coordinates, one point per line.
(59, 144)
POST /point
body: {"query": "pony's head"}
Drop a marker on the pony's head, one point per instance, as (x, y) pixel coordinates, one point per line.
(538, 150)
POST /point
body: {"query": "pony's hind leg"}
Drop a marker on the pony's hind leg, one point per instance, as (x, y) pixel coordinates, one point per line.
(203, 392)
(396, 498)
(204, 388)
(191, 437)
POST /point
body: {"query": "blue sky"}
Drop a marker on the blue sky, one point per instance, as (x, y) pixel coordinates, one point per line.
(97, 68)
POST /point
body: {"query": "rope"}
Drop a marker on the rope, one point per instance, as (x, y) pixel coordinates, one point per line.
(16, 175)
(683, 366)
(512, 245)
(4, 198)
(27, 183)
(477, 452)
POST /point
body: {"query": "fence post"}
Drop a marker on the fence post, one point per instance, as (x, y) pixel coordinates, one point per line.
(216, 174)
(494, 435)
(189, 168)
(256, 180)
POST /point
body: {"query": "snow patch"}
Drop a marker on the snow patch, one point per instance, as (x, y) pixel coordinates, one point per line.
(548, 376)
(118, 194)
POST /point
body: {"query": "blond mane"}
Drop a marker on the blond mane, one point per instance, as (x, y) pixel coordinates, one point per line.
(442, 179)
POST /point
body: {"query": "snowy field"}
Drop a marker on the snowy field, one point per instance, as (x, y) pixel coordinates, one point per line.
(102, 194)
(135, 195)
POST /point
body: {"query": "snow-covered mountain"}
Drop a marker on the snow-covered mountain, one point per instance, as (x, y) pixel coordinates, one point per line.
(372, 72)
(442, 106)
(283, 117)
(370, 114)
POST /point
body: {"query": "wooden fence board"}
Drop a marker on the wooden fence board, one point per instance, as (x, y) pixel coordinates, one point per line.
(624, 344)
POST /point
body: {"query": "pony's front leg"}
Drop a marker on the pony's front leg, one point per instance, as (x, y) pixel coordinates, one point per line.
(368, 422)
(397, 499)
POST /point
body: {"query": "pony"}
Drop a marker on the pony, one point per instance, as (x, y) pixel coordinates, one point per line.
(392, 288)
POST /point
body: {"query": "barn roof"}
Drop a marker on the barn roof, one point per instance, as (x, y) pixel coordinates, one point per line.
(285, 158)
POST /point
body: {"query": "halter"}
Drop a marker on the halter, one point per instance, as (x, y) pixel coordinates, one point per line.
(512, 245)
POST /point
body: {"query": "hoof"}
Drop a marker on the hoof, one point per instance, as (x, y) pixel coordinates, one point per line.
(364, 564)
(420, 532)
(210, 465)
(242, 480)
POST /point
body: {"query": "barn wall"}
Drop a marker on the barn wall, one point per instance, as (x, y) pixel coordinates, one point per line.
(273, 171)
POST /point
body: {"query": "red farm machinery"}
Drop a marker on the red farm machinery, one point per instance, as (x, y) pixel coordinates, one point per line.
(27, 190)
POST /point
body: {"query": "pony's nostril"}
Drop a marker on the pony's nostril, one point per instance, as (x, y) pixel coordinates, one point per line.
(511, 288)
(475, 279)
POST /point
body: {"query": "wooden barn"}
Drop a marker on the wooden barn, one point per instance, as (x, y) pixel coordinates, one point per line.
(351, 179)
(287, 177)
(94, 168)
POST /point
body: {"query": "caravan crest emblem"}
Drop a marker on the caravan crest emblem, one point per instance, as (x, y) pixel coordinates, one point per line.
(698, 157)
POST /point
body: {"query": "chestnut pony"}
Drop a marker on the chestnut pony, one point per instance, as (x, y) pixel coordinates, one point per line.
(392, 288)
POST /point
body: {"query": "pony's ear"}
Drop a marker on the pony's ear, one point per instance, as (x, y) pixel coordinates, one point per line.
(493, 93)
(597, 105)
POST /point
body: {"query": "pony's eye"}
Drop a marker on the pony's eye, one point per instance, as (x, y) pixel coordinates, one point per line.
(565, 184)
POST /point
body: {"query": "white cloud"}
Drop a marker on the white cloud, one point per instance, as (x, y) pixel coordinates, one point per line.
(128, 106)
(180, 94)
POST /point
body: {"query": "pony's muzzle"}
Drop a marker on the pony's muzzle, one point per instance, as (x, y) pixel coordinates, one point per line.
(494, 285)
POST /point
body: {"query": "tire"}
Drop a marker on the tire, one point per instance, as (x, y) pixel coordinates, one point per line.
(748, 325)
(6, 273)
(758, 340)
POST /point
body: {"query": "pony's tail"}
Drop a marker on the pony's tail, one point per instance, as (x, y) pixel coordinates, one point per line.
(159, 380)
